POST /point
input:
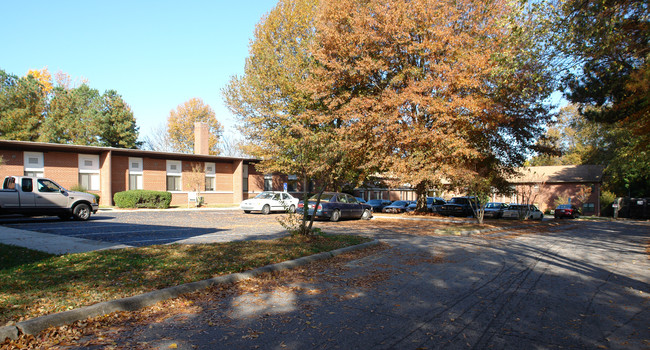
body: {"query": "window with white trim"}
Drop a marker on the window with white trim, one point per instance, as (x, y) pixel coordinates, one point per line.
(210, 176)
(174, 171)
(268, 182)
(89, 171)
(135, 173)
(34, 164)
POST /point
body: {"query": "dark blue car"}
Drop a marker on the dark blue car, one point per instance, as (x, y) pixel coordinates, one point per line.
(335, 206)
(378, 204)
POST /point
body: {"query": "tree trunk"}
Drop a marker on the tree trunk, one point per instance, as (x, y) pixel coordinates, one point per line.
(421, 193)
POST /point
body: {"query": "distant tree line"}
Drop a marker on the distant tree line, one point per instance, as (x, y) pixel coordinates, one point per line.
(37, 107)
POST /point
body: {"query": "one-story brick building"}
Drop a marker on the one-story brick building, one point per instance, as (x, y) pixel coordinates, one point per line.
(107, 170)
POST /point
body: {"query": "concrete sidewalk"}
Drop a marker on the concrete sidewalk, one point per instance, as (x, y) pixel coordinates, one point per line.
(53, 244)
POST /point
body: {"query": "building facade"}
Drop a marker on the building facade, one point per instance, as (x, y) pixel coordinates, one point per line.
(106, 171)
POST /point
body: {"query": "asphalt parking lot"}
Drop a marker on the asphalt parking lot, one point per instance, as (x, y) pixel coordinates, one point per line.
(143, 228)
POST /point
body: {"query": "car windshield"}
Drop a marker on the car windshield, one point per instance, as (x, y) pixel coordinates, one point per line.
(400, 203)
(326, 197)
(374, 201)
(493, 206)
(564, 206)
(265, 195)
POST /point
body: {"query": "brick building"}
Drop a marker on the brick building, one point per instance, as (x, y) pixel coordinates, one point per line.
(562, 184)
(107, 170)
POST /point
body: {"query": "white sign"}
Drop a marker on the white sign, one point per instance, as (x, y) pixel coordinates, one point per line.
(639, 202)
(191, 196)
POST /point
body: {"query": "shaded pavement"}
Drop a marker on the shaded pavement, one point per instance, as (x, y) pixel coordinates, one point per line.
(581, 285)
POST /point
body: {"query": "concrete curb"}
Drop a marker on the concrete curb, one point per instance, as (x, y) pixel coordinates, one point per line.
(41, 323)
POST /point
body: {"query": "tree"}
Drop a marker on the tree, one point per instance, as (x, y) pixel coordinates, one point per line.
(157, 140)
(73, 117)
(22, 105)
(180, 126)
(610, 42)
(431, 89)
(116, 123)
(276, 110)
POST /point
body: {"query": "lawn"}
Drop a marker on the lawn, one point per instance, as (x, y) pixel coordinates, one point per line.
(34, 284)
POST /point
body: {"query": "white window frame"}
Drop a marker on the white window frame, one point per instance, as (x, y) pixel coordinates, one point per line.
(136, 168)
(175, 168)
(92, 169)
(211, 173)
(37, 168)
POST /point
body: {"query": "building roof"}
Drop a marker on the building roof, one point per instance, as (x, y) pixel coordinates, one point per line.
(560, 174)
(57, 147)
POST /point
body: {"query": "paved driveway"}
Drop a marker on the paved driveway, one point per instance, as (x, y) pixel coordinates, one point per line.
(582, 285)
(142, 228)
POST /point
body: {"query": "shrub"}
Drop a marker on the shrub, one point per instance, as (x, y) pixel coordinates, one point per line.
(79, 188)
(142, 199)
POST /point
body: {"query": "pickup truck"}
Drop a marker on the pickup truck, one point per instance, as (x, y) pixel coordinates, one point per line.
(34, 196)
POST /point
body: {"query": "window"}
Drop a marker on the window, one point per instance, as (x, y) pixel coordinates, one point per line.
(45, 185)
(27, 185)
(245, 178)
(210, 176)
(173, 183)
(292, 184)
(268, 182)
(174, 175)
(34, 164)
(588, 207)
(89, 171)
(135, 174)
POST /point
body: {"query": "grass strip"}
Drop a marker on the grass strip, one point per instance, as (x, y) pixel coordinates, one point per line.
(46, 284)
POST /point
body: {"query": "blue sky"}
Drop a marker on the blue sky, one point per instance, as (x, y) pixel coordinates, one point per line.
(156, 54)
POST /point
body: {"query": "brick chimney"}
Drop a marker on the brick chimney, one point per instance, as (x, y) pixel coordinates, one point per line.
(201, 138)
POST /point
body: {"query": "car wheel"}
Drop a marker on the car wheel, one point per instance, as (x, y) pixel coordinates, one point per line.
(81, 212)
(247, 211)
(266, 209)
(292, 209)
(366, 215)
(541, 217)
(336, 216)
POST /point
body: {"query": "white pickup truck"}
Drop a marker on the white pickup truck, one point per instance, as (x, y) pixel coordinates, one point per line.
(34, 196)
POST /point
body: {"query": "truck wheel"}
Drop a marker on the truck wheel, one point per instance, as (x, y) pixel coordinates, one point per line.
(81, 212)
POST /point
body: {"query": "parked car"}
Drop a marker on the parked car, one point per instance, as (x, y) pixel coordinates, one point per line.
(433, 204)
(335, 206)
(397, 207)
(494, 210)
(522, 211)
(269, 201)
(378, 204)
(567, 211)
(459, 206)
(40, 196)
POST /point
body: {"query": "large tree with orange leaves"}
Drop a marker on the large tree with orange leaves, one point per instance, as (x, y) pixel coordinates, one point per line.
(434, 89)
(422, 90)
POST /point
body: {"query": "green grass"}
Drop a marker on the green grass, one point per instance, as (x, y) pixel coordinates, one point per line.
(34, 284)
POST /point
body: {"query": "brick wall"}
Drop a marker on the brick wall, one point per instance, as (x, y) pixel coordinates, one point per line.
(12, 163)
(154, 174)
(62, 168)
(120, 174)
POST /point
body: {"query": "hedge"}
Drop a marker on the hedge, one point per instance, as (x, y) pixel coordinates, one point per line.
(142, 199)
